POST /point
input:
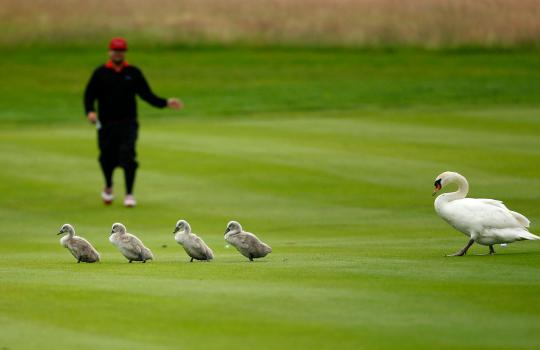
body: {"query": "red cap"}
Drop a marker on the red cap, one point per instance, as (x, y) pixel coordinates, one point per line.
(118, 44)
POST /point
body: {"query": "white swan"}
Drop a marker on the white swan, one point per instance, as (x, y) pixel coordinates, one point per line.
(79, 247)
(245, 242)
(129, 245)
(193, 244)
(485, 221)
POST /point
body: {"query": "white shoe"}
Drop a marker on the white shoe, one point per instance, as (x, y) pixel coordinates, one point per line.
(130, 201)
(107, 196)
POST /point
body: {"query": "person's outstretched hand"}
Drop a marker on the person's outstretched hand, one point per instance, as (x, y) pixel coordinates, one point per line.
(174, 103)
(92, 117)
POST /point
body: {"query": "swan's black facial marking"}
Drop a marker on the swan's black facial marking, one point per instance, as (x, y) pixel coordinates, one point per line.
(438, 184)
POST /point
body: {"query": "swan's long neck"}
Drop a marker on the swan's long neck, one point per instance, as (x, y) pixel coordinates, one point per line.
(66, 238)
(463, 188)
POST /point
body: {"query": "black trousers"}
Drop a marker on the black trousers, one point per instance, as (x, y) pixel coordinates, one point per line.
(117, 149)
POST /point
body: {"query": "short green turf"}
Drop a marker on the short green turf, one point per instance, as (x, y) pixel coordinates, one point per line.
(328, 155)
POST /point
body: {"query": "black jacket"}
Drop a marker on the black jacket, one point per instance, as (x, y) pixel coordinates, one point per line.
(115, 92)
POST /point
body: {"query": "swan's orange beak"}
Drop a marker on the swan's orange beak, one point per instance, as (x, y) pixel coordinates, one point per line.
(438, 187)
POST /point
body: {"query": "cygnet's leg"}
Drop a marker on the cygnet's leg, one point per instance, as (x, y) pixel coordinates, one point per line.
(130, 261)
(144, 261)
(78, 260)
(250, 257)
(463, 251)
(191, 260)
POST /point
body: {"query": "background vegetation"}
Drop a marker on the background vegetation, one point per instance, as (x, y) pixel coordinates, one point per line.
(350, 23)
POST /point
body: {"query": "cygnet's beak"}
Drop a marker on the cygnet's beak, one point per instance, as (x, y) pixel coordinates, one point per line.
(226, 231)
(176, 229)
(59, 233)
(112, 231)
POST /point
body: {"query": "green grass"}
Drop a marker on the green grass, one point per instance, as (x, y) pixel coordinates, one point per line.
(328, 155)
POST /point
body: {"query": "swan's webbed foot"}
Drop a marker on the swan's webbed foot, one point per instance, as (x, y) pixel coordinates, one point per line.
(491, 251)
(463, 251)
(460, 253)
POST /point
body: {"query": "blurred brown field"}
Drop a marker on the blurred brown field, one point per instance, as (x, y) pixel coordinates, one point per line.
(347, 23)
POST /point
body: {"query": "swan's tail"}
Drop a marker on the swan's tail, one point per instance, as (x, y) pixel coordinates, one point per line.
(529, 236)
(267, 249)
(147, 254)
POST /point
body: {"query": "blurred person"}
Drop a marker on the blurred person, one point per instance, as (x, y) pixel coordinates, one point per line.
(114, 85)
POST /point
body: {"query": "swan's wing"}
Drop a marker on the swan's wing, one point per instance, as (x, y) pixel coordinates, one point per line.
(482, 214)
(82, 248)
(204, 248)
(248, 240)
(194, 246)
(147, 253)
(519, 217)
(131, 243)
(83, 242)
(259, 248)
(256, 247)
(241, 242)
(209, 253)
(506, 235)
(134, 238)
(206, 252)
(494, 202)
